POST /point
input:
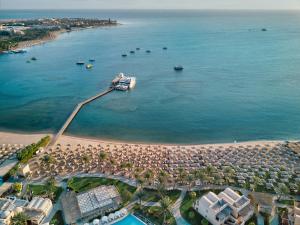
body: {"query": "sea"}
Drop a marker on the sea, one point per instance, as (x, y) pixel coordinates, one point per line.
(239, 83)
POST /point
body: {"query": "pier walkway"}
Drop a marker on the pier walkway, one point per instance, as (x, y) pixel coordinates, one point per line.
(75, 112)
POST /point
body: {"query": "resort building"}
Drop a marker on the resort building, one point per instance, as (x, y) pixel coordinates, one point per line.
(24, 170)
(36, 210)
(10, 207)
(98, 201)
(228, 207)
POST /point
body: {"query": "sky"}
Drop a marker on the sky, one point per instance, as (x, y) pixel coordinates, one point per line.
(149, 4)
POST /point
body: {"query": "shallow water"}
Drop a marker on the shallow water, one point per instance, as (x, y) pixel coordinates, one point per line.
(238, 83)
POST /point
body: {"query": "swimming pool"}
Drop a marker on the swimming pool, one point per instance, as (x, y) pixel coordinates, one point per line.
(130, 220)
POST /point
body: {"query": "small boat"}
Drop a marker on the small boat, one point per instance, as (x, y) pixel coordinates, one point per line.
(19, 51)
(148, 51)
(28, 61)
(89, 66)
(92, 60)
(124, 55)
(178, 68)
(165, 48)
(264, 29)
(132, 52)
(80, 63)
(33, 58)
(137, 49)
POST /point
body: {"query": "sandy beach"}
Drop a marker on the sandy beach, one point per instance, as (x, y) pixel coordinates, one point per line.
(20, 138)
(27, 44)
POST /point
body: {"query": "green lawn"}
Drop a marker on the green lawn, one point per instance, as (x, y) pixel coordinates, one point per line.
(187, 211)
(41, 190)
(57, 219)
(81, 184)
(153, 196)
(154, 214)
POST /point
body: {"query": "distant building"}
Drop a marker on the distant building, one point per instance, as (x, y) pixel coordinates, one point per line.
(98, 201)
(228, 207)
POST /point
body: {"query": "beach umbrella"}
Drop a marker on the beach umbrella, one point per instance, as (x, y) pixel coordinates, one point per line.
(96, 222)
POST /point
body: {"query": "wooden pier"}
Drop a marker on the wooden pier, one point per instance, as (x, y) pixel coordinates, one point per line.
(74, 113)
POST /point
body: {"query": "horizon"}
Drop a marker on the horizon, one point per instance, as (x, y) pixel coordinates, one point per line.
(149, 5)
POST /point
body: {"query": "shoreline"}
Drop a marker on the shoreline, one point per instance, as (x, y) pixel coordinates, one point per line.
(53, 35)
(28, 138)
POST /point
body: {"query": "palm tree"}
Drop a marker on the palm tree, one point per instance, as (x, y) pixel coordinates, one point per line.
(140, 195)
(48, 160)
(190, 179)
(165, 204)
(148, 176)
(202, 175)
(210, 170)
(85, 159)
(51, 185)
(182, 175)
(256, 182)
(19, 219)
(282, 190)
(102, 156)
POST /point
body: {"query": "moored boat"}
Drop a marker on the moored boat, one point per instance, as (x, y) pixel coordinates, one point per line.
(89, 66)
(148, 51)
(124, 55)
(178, 68)
(80, 63)
(132, 52)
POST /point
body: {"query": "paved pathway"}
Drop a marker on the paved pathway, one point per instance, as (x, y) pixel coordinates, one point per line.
(57, 206)
(176, 210)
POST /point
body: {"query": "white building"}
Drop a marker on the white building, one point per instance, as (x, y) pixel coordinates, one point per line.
(226, 208)
(98, 201)
(38, 209)
(24, 170)
(10, 207)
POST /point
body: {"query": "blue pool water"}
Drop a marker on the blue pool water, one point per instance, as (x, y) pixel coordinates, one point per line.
(130, 220)
(238, 83)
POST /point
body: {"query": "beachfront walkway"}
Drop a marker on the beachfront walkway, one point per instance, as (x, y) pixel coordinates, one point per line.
(175, 210)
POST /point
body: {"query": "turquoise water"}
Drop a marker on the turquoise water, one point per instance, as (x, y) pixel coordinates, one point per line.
(130, 220)
(239, 83)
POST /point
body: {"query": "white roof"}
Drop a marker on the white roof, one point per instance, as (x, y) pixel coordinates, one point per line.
(96, 198)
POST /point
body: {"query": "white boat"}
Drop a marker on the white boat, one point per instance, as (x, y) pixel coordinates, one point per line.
(123, 83)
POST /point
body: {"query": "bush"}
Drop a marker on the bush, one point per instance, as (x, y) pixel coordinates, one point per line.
(193, 195)
(17, 187)
(191, 215)
(204, 222)
(27, 153)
